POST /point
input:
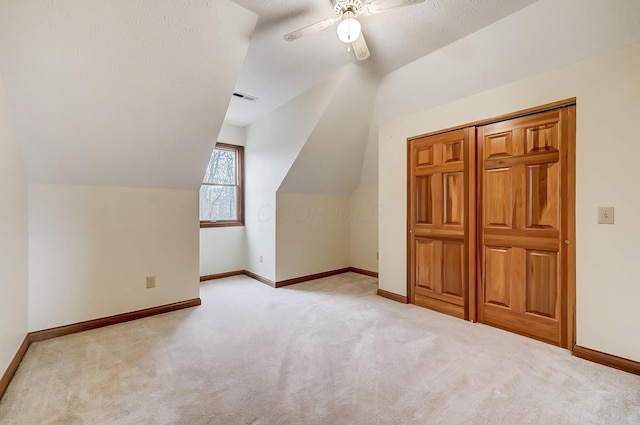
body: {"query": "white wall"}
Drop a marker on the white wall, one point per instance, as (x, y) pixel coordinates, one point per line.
(608, 105)
(13, 240)
(91, 248)
(331, 160)
(223, 249)
(312, 234)
(233, 135)
(273, 143)
(364, 227)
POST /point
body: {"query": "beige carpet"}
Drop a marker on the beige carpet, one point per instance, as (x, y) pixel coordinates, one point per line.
(323, 352)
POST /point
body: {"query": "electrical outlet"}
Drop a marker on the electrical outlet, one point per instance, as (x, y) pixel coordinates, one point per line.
(261, 259)
(151, 281)
(605, 215)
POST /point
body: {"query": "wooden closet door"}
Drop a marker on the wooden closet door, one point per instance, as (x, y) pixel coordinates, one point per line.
(526, 224)
(440, 220)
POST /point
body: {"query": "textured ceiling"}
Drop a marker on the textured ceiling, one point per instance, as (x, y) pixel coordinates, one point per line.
(119, 92)
(275, 71)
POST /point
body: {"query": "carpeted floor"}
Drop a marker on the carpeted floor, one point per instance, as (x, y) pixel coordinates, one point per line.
(322, 352)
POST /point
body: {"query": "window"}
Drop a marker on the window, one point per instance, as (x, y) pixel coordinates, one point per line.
(221, 197)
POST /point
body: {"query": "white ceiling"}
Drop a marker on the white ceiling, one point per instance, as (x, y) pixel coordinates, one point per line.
(275, 71)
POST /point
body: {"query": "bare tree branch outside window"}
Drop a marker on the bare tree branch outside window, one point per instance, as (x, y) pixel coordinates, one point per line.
(219, 193)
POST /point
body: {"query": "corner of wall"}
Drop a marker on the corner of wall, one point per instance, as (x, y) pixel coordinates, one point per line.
(364, 227)
(272, 145)
(13, 240)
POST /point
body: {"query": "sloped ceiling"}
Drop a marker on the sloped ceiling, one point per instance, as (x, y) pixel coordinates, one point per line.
(546, 35)
(118, 92)
(274, 142)
(330, 160)
(276, 71)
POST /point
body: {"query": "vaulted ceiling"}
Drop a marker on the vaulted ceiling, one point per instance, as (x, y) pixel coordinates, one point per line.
(115, 92)
(275, 71)
(118, 92)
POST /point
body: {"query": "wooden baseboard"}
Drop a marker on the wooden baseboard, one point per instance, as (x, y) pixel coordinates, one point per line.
(293, 281)
(111, 320)
(287, 282)
(607, 359)
(260, 278)
(221, 275)
(13, 366)
(307, 278)
(85, 326)
(364, 272)
(394, 297)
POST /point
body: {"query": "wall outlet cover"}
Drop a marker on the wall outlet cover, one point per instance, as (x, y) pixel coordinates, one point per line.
(151, 281)
(605, 215)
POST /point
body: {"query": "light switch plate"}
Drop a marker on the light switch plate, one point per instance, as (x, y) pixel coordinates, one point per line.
(605, 215)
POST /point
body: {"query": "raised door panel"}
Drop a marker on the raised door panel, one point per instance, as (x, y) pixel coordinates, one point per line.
(542, 284)
(543, 193)
(453, 268)
(542, 138)
(424, 156)
(424, 200)
(453, 194)
(498, 198)
(497, 266)
(427, 264)
(499, 145)
(452, 152)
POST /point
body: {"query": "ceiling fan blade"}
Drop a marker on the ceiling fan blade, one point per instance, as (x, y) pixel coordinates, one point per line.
(378, 6)
(360, 48)
(310, 29)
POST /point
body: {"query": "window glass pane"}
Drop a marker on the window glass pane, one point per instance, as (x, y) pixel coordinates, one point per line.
(218, 203)
(221, 168)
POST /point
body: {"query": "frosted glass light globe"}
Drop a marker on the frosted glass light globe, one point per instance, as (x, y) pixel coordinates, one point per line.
(349, 30)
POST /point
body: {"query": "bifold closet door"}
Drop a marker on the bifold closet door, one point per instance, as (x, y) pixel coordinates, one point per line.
(526, 225)
(441, 242)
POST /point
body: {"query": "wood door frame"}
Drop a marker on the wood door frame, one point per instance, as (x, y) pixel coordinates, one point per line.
(471, 201)
(568, 310)
(568, 224)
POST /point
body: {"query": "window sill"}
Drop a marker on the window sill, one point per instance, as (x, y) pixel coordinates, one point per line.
(206, 224)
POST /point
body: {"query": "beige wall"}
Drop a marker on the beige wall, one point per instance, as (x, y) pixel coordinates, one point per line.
(273, 143)
(13, 240)
(364, 227)
(608, 105)
(312, 234)
(91, 248)
(223, 249)
(295, 150)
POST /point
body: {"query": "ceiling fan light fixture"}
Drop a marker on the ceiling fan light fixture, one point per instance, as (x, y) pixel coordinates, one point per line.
(349, 29)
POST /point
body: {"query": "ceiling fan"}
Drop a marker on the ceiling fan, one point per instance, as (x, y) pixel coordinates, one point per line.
(349, 29)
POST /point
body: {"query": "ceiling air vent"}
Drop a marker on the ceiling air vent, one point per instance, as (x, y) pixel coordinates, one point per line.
(245, 96)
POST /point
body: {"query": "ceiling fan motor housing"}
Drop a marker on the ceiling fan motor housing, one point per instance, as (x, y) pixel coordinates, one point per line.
(344, 6)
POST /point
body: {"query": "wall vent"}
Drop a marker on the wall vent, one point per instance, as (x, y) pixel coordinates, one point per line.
(245, 96)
